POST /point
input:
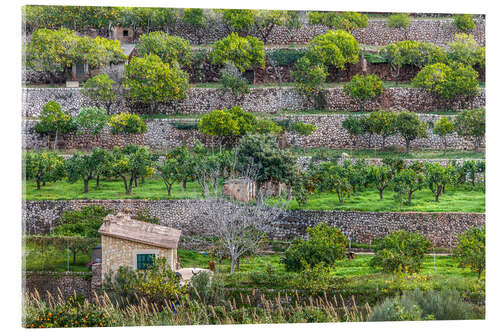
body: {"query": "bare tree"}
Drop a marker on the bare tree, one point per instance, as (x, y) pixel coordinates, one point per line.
(241, 229)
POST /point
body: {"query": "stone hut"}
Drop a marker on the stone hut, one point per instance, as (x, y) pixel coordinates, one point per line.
(133, 243)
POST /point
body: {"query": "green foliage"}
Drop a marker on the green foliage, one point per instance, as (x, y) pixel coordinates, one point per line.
(243, 52)
(73, 312)
(206, 288)
(414, 53)
(437, 177)
(446, 304)
(127, 123)
(152, 81)
(54, 121)
(130, 163)
(240, 20)
(169, 170)
(334, 48)
(410, 127)
(316, 279)
(400, 251)
(324, 246)
(157, 283)
(464, 49)
(355, 126)
(260, 153)
(472, 124)
(398, 21)
(286, 57)
(43, 167)
(447, 82)
(87, 166)
(92, 120)
(232, 80)
(332, 178)
(100, 89)
(170, 49)
(406, 183)
(309, 78)
(382, 123)
(443, 127)
(56, 50)
(266, 20)
(194, 17)
(339, 20)
(470, 250)
(302, 128)
(464, 22)
(374, 58)
(84, 222)
(381, 177)
(364, 87)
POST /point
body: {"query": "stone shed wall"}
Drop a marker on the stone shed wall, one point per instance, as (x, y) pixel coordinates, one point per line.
(118, 252)
(440, 228)
(265, 100)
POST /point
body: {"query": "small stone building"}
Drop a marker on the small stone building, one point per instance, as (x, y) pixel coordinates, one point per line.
(133, 243)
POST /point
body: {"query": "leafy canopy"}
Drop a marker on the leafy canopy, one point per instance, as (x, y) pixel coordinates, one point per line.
(170, 49)
(243, 52)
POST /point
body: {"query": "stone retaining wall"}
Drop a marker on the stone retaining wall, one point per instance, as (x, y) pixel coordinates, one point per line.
(55, 283)
(440, 228)
(161, 134)
(265, 100)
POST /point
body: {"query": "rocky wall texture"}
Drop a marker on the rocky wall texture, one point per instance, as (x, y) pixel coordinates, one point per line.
(438, 31)
(440, 228)
(64, 284)
(264, 100)
(162, 134)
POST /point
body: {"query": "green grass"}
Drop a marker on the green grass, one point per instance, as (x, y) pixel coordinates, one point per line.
(412, 154)
(56, 260)
(454, 200)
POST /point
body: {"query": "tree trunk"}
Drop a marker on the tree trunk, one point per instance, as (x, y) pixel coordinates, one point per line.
(184, 181)
(438, 192)
(55, 141)
(126, 185)
(130, 183)
(409, 197)
(85, 185)
(233, 265)
(38, 184)
(97, 180)
(135, 182)
(381, 193)
(169, 188)
(408, 145)
(74, 257)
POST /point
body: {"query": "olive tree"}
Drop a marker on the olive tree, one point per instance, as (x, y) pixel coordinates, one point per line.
(153, 82)
(410, 127)
(169, 172)
(471, 124)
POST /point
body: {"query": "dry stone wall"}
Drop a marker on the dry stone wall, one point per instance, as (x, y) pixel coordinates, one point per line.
(440, 228)
(54, 283)
(264, 100)
(161, 134)
(438, 31)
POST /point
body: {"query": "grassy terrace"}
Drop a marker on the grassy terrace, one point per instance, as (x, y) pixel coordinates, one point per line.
(461, 199)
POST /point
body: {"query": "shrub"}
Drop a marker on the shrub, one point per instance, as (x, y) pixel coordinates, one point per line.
(170, 49)
(325, 245)
(400, 20)
(317, 279)
(363, 88)
(464, 22)
(470, 250)
(400, 251)
(414, 53)
(92, 119)
(334, 48)
(447, 82)
(391, 309)
(127, 123)
(339, 20)
(100, 89)
(355, 126)
(207, 288)
(309, 78)
(464, 49)
(243, 52)
(54, 121)
(232, 80)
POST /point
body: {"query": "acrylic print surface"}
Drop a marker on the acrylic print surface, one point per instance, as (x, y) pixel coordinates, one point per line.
(208, 166)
